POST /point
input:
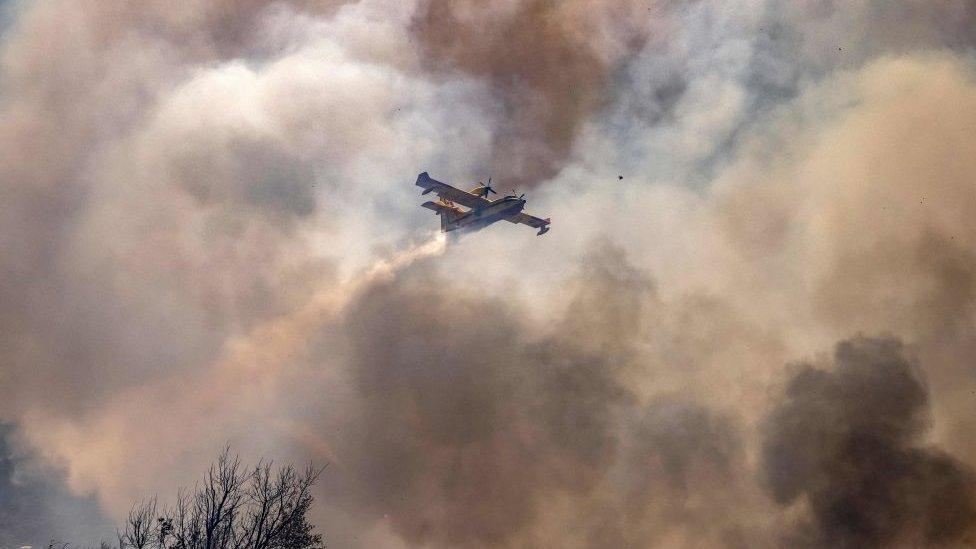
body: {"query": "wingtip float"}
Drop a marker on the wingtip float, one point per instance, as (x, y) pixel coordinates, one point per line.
(473, 210)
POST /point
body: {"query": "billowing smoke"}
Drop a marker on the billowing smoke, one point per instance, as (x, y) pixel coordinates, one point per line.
(209, 235)
(454, 383)
(473, 425)
(549, 65)
(849, 440)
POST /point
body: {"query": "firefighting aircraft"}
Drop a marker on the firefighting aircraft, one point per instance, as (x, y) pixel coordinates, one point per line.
(481, 211)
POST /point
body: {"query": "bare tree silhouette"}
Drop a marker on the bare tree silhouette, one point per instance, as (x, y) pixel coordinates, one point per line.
(233, 507)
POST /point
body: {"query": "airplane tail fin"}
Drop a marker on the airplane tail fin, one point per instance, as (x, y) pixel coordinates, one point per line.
(425, 182)
(545, 228)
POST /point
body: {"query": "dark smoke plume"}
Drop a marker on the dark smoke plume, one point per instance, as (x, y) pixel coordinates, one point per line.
(472, 425)
(850, 441)
(548, 66)
(469, 423)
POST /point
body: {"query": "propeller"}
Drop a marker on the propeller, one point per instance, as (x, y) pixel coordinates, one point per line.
(485, 189)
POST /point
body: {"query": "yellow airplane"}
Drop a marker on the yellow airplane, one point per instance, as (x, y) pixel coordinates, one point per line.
(481, 211)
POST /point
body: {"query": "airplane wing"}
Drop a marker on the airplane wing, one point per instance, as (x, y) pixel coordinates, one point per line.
(531, 221)
(453, 194)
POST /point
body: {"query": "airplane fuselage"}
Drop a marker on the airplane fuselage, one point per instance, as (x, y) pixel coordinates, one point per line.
(482, 217)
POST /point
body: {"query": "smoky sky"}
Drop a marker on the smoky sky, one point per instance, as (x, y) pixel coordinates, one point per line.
(209, 235)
